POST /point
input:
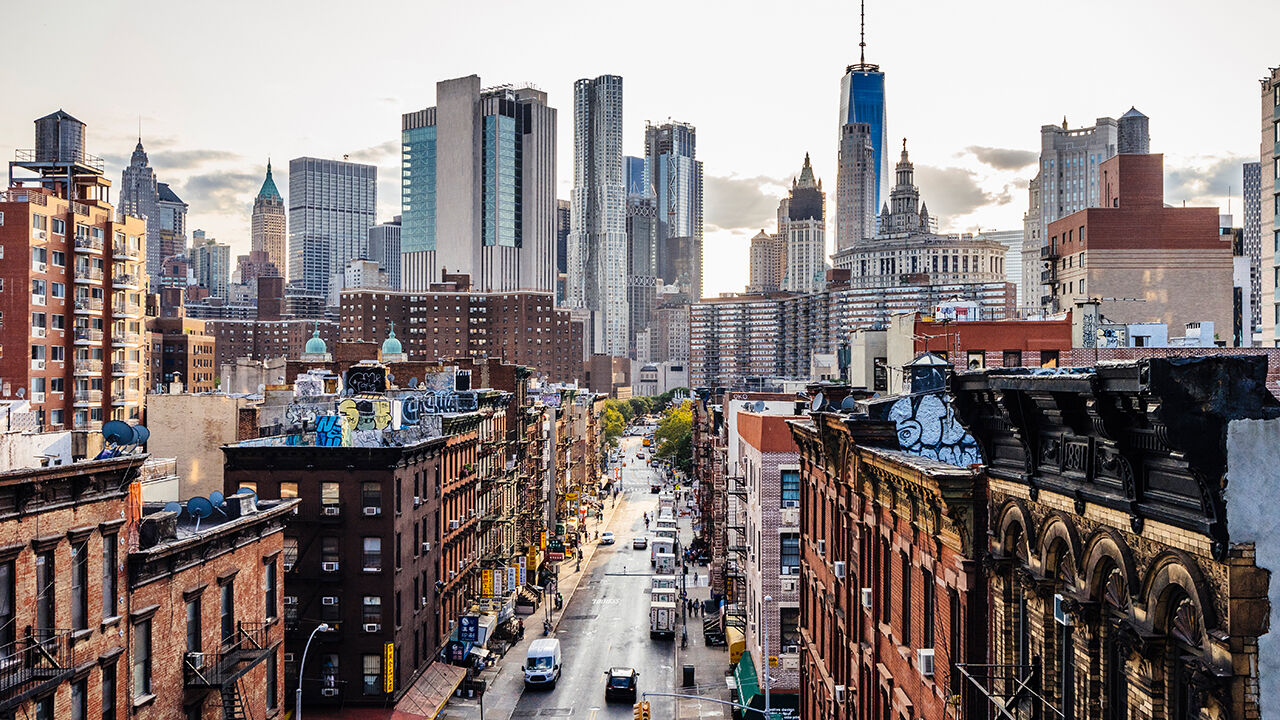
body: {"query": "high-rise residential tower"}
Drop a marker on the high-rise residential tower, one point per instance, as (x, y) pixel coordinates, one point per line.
(478, 198)
(642, 276)
(332, 204)
(140, 197)
(211, 263)
(1269, 219)
(675, 174)
(805, 230)
(564, 214)
(267, 231)
(384, 249)
(1253, 237)
(862, 101)
(1067, 181)
(597, 267)
(767, 253)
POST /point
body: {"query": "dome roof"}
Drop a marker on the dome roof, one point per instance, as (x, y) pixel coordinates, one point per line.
(315, 346)
(391, 346)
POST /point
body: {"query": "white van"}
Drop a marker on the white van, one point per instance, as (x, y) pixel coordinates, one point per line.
(664, 564)
(659, 546)
(542, 663)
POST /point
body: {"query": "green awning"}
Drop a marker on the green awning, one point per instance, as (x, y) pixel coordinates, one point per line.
(744, 677)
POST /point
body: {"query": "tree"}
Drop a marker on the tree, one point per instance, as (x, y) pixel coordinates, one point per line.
(675, 436)
(622, 407)
(641, 405)
(613, 424)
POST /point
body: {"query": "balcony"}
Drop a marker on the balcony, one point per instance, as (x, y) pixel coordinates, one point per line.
(126, 281)
(122, 310)
(34, 665)
(124, 251)
(88, 275)
(247, 647)
(124, 368)
(88, 367)
(89, 245)
(88, 336)
(90, 306)
(1050, 276)
(126, 338)
(88, 397)
(1049, 252)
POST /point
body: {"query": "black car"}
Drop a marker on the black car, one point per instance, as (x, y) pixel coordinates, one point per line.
(620, 684)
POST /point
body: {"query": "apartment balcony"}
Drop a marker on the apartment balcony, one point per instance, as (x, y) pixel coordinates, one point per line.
(34, 665)
(125, 310)
(88, 336)
(88, 397)
(124, 368)
(89, 245)
(88, 275)
(123, 250)
(88, 367)
(91, 306)
(1049, 252)
(124, 281)
(126, 338)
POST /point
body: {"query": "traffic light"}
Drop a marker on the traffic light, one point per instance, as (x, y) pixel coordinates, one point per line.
(641, 710)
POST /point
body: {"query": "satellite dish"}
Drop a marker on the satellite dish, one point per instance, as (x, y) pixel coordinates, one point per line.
(817, 403)
(217, 498)
(173, 507)
(117, 432)
(199, 508)
(140, 435)
(22, 392)
(848, 403)
(413, 382)
(759, 406)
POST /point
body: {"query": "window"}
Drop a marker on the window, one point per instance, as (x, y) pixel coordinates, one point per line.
(329, 550)
(44, 590)
(79, 700)
(109, 690)
(791, 488)
(194, 643)
(977, 359)
(926, 631)
(270, 591)
(8, 597)
(371, 495)
(228, 611)
(954, 651)
(288, 490)
(372, 674)
(372, 554)
(59, 226)
(328, 493)
(110, 598)
(57, 289)
(906, 599)
(790, 552)
(272, 701)
(1012, 358)
(142, 659)
(372, 610)
(886, 580)
(80, 586)
(44, 706)
(1048, 358)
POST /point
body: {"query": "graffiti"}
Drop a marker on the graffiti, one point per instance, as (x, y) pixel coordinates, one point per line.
(308, 386)
(367, 438)
(329, 431)
(927, 427)
(551, 400)
(299, 414)
(415, 406)
(366, 413)
(366, 380)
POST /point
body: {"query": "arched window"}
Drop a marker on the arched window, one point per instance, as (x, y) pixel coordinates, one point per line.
(1115, 684)
(1182, 624)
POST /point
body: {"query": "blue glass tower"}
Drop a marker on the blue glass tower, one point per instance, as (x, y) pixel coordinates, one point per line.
(862, 101)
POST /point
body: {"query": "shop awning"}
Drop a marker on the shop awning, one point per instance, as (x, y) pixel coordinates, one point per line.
(744, 677)
(427, 696)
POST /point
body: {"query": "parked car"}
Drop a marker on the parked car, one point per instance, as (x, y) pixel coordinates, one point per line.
(640, 543)
(620, 684)
(606, 538)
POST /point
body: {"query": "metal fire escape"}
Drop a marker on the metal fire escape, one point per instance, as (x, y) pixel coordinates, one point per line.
(248, 646)
(735, 568)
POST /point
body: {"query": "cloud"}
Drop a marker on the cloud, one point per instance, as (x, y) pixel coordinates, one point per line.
(1003, 158)
(221, 191)
(382, 153)
(951, 192)
(167, 161)
(743, 202)
(1206, 181)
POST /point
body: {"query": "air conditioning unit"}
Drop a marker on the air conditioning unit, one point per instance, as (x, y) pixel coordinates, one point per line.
(453, 524)
(40, 267)
(328, 692)
(840, 571)
(840, 693)
(790, 649)
(329, 600)
(417, 501)
(423, 603)
(331, 510)
(822, 548)
(372, 627)
(37, 364)
(924, 659)
(288, 566)
(38, 332)
(288, 657)
(372, 511)
(426, 547)
(1059, 615)
(40, 234)
(452, 574)
(290, 599)
(791, 504)
(195, 660)
(329, 567)
(786, 569)
(788, 585)
(471, 512)
(866, 598)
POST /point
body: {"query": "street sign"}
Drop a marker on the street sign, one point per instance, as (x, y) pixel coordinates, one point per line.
(511, 577)
(486, 582)
(498, 577)
(773, 661)
(388, 667)
(467, 628)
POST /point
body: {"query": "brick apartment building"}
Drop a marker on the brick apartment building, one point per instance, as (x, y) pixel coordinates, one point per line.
(1183, 260)
(97, 594)
(451, 320)
(270, 333)
(181, 352)
(72, 284)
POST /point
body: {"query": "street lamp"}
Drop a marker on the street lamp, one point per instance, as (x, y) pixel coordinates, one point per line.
(764, 630)
(297, 704)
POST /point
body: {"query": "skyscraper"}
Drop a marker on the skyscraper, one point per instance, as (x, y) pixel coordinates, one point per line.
(267, 224)
(597, 267)
(331, 208)
(1067, 181)
(384, 249)
(478, 197)
(767, 253)
(675, 175)
(1253, 238)
(140, 197)
(855, 186)
(211, 263)
(171, 221)
(805, 231)
(862, 101)
(1269, 219)
(642, 277)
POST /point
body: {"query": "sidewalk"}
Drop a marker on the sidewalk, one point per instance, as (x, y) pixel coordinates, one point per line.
(710, 663)
(504, 681)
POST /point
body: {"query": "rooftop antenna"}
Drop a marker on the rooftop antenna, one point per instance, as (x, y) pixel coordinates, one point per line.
(862, 39)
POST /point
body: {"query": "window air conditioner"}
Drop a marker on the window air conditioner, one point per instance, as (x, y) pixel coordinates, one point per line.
(924, 658)
(822, 548)
(288, 657)
(453, 524)
(369, 511)
(288, 566)
(866, 598)
(372, 627)
(328, 692)
(329, 600)
(426, 547)
(195, 660)
(331, 510)
(417, 501)
(840, 693)
(840, 571)
(786, 569)
(329, 567)
(290, 599)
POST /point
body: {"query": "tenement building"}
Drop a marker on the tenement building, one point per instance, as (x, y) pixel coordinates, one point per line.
(1127, 541)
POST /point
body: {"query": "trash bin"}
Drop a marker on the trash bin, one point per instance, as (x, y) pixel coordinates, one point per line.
(688, 676)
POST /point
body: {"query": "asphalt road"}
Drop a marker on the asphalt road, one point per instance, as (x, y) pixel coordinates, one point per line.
(606, 623)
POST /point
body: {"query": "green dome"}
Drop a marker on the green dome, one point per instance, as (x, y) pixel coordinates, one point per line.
(392, 346)
(315, 346)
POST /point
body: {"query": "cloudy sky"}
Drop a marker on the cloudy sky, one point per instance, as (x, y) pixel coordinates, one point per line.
(221, 86)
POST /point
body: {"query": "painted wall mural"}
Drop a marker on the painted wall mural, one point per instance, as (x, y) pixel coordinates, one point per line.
(927, 426)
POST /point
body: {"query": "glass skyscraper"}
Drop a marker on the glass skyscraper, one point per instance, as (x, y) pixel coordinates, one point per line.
(418, 191)
(862, 101)
(671, 151)
(332, 205)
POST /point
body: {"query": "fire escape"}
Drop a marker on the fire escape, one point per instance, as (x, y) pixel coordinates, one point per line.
(735, 568)
(34, 664)
(247, 646)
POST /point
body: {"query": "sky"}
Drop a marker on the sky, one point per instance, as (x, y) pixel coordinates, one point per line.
(220, 87)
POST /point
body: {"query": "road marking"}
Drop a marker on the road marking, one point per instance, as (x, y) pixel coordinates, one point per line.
(592, 716)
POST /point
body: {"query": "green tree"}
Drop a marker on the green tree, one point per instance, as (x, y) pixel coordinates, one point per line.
(641, 405)
(675, 436)
(613, 424)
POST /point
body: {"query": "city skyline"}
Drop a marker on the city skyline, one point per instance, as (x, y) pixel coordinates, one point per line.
(976, 178)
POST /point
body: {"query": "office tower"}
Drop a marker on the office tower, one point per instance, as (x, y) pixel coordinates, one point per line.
(805, 230)
(267, 223)
(1253, 238)
(211, 264)
(384, 249)
(767, 262)
(1066, 181)
(75, 278)
(140, 198)
(332, 204)
(637, 182)
(1269, 219)
(171, 221)
(642, 278)
(597, 265)
(478, 196)
(675, 175)
(855, 186)
(862, 102)
(563, 214)
(1012, 240)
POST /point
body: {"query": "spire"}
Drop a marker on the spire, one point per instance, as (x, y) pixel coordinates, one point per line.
(904, 150)
(1064, 122)
(806, 174)
(269, 185)
(862, 33)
